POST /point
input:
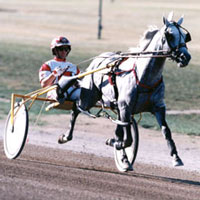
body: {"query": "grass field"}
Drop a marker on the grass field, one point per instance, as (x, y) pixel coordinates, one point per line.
(28, 26)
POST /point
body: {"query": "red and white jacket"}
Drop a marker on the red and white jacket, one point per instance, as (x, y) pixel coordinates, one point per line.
(48, 67)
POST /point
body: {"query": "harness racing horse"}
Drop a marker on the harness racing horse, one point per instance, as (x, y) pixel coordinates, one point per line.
(134, 84)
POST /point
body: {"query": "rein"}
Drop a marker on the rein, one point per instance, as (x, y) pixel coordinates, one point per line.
(142, 54)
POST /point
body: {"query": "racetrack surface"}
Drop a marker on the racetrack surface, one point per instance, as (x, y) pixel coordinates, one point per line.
(85, 168)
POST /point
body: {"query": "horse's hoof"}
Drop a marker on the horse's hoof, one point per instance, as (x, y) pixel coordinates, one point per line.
(177, 161)
(125, 164)
(63, 139)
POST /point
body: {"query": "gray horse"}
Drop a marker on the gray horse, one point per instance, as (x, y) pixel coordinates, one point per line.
(134, 84)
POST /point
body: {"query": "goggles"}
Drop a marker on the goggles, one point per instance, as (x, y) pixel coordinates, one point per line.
(64, 48)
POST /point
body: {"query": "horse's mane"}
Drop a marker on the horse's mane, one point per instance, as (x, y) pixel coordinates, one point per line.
(145, 39)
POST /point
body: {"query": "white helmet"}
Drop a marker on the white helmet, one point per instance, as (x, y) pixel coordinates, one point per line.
(60, 41)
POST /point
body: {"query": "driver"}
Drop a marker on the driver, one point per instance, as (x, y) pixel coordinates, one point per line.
(58, 70)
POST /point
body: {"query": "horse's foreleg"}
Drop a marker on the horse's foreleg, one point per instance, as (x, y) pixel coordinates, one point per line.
(161, 118)
(69, 134)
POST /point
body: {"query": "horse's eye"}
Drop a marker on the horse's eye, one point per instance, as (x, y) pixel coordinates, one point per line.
(169, 36)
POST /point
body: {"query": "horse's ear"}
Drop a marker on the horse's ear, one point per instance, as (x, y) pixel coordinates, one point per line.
(180, 21)
(166, 22)
(170, 16)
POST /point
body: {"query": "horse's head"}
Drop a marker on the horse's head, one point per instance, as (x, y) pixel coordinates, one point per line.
(176, 38)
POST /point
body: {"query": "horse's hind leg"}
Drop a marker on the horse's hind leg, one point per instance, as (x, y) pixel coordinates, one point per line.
(123, 132)
(123, 137)
(160, 116)
(69, 134)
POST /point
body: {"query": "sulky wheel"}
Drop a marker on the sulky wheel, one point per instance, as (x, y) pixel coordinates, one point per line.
(15, 136)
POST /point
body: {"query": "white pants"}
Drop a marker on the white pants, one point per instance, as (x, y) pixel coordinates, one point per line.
(72, 94)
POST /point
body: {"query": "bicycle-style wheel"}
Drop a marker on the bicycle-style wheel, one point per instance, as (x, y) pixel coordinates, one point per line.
(15, 136)
(129, 152)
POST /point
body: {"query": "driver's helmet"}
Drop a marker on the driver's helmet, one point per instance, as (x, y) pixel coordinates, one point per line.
(58, 42)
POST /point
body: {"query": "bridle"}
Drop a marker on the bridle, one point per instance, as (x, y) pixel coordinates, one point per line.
(174, 50)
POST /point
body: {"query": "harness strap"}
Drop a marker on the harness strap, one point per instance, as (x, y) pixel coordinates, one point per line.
(151, 88)
(112, 80)
(143, 85)
(112, 77)
(111, 74)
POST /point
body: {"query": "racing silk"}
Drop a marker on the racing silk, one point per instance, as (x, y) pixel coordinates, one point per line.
(48, 67)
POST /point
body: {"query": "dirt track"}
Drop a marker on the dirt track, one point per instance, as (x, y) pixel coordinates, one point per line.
(88, 172)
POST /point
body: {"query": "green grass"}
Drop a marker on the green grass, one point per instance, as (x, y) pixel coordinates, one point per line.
(185, 124)
(26, 35)
(182, 87)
